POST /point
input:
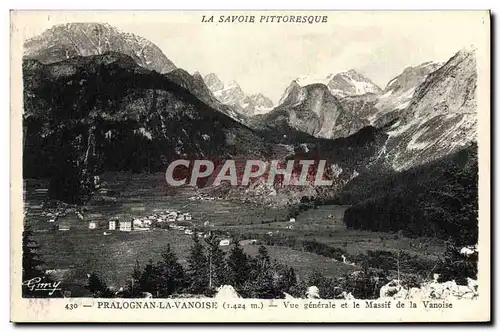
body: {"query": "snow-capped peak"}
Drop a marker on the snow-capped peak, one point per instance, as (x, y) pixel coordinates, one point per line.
(314, 78)
(348, 83)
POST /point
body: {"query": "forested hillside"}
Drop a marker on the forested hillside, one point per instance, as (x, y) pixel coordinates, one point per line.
(439, 199)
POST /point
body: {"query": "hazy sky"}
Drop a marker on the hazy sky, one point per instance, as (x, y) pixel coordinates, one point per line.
(267, 57)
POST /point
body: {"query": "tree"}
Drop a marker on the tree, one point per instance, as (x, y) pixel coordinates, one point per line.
(198, 269)
(263, 259)
(148, 281)
(288, 281)
(261, 283)
(170, 274)
(457, 266)
(217, 266)
(133, 288)
(238, 263)
(98, 287)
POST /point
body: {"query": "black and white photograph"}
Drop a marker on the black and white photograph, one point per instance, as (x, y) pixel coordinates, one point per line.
(197, 160)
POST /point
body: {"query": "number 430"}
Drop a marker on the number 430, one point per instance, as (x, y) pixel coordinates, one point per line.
(71, 306)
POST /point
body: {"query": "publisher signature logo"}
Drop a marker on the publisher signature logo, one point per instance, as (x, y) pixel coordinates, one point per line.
(36, 284)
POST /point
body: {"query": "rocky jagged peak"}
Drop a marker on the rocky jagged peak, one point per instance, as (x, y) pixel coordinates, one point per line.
(213, 82)
(445, 82)
(232, 95)
(291, 92)
(442, 106)
(464, 53)
(411, 77)
(353, 74)
(260, 101)
(197, 75)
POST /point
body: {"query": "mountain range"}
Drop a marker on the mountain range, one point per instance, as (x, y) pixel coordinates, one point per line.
(90, 90)
(423, 100)
(232, 95)
(306, 103)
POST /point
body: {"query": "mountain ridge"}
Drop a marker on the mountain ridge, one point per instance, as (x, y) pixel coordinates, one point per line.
(74, 133)
(68, 40)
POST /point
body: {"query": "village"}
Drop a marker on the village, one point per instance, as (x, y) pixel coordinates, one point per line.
(66, 219)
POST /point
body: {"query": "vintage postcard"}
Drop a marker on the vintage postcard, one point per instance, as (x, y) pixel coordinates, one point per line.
(250, 166)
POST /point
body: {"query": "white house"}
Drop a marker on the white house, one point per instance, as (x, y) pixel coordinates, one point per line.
(292, 219)
(92, 225)
(188, 232)
(112, 225)
(64, 226)
(224, 242)
(125, 226)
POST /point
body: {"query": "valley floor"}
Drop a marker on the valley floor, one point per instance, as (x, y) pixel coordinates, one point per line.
(113, 254)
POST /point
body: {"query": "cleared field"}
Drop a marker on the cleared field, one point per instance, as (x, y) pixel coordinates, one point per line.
(305, 263)
(356, 241)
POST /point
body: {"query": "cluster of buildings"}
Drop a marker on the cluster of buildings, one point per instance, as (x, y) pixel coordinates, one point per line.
(167, 217)
(175, 220)
(145, 223)
(60, 217)
(201, 197)
(64, 221)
